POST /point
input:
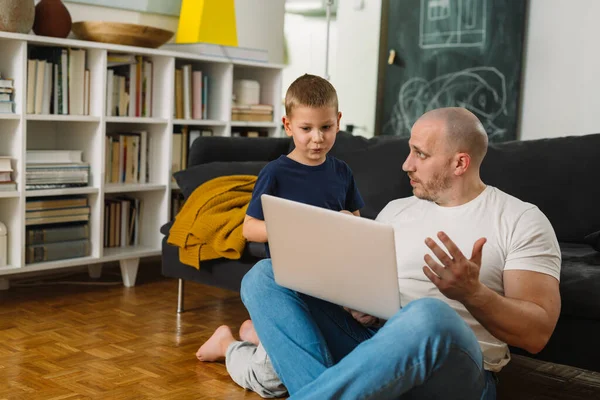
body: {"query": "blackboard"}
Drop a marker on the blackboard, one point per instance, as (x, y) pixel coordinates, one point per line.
(463, 53)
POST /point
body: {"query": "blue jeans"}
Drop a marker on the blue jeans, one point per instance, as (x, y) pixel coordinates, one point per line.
(425, 351)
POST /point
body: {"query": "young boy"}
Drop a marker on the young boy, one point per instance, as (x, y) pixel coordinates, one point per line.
(307, 175)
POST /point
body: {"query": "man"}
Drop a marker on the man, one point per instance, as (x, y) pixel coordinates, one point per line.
(458, 313)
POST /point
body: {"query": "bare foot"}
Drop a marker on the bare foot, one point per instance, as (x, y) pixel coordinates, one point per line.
(215, 347)
(247, 332)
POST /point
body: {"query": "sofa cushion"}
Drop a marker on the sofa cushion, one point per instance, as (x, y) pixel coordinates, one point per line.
(580, 281)
(557, 175)
(189, 179)
(593, 239)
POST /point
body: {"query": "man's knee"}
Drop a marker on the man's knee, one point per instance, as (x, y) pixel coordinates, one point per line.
(434, 317)
(256, 279)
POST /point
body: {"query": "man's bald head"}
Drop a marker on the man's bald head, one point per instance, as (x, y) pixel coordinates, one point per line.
(464, 132)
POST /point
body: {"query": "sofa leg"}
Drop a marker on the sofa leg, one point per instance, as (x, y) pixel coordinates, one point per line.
(180, 296)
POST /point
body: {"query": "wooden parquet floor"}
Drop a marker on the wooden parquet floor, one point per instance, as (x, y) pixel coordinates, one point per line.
(71, 342)
(111, 342)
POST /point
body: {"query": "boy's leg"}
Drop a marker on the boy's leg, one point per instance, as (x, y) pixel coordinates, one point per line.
(302, 335)
(250, 367)
(215, 347)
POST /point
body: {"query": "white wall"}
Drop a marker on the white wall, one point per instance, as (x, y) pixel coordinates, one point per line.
(259, 22)
(357, 53)
(562, 70)
(305, 38)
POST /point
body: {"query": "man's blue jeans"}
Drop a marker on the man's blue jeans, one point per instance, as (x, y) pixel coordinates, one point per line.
(425, 351)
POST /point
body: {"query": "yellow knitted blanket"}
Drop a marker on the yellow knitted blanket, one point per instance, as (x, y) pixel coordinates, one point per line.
(209, 225)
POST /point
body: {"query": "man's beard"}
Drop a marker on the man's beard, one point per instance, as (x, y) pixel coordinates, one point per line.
(430, 191)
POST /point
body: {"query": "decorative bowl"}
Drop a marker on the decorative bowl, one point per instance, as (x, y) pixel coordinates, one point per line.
(121, 33)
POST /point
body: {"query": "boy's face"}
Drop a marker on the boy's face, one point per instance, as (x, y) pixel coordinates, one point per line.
(313, 131)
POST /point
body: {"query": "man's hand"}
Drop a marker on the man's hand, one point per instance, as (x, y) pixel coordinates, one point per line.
(346, 212)
(365, 320)
(458, 277)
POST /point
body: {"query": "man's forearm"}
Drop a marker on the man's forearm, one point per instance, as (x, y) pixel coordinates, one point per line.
(517, 322)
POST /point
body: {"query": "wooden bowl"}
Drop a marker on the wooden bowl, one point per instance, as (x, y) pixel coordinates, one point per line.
(121, 33)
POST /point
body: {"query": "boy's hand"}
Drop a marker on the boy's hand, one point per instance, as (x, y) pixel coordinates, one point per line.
(365, 320)
(346, 212)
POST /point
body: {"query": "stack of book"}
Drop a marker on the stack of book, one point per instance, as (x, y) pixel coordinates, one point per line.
(129, 86)
(121, 221)
(58, 81)
(53, 169)
(6, 182)
(6, 96)
(56, 228)
(182, 142)
(191, 93)
(253, 113)
(126, 158)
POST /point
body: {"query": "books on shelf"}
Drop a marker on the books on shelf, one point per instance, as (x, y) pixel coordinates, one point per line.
(57, 251)
(126, 157)
(35, 235)
(56, 228)
(252, 113)
(129, 86)
(6, 96)
(45, 211)
(53, 169)
(7, 184)
(182, 143)
(58, 81)
(122, 221)
(191, 93)
(226, 52)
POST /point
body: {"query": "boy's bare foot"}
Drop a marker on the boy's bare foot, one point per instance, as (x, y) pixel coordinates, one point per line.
(215, 347)
(247, 332)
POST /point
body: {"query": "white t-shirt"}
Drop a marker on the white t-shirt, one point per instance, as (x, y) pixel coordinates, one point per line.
(519, 237)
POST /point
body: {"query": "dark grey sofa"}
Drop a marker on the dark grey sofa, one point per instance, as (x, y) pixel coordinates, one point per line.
(559, 175)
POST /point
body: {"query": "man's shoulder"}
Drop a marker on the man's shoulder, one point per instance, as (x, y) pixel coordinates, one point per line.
(397, 206)
(510, 203)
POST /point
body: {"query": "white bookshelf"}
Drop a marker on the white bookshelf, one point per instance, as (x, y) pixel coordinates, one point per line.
(21, 131)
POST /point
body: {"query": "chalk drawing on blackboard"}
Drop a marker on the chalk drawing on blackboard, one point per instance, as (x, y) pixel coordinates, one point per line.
(482, 90)
(452, 23)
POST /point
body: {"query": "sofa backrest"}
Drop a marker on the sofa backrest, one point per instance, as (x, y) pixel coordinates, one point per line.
(559, 175)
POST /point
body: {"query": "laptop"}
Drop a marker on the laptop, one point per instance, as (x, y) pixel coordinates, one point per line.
(340, 258)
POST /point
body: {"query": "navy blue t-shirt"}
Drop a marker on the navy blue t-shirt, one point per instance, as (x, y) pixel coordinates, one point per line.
(329, 185)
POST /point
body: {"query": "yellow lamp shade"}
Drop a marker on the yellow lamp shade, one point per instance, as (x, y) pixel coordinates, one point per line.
(207, 21)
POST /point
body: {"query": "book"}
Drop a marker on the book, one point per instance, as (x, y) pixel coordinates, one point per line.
(8, 186)
(57, 212)
(56, 233)
(56, 220)
(50, 202)
(53, 156)
(57, 251)
(220, 51)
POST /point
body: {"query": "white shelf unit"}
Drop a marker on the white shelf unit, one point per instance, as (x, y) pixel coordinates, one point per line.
(21, 131)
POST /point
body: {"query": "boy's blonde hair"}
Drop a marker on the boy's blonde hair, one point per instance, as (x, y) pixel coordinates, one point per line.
(310, 91)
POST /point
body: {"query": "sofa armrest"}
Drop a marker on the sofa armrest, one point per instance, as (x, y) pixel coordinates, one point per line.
(207, 149)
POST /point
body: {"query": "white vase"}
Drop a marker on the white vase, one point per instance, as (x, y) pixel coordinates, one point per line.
(17, 15)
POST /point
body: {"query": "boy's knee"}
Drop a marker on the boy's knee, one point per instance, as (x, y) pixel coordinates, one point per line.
(256, 279)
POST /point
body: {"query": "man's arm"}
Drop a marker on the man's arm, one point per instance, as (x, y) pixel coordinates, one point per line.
(254, 230)
(527, 314)
(525, 317)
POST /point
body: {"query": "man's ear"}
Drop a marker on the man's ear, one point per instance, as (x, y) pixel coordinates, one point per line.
(286, 125)
(462, 163)
(339, 118)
